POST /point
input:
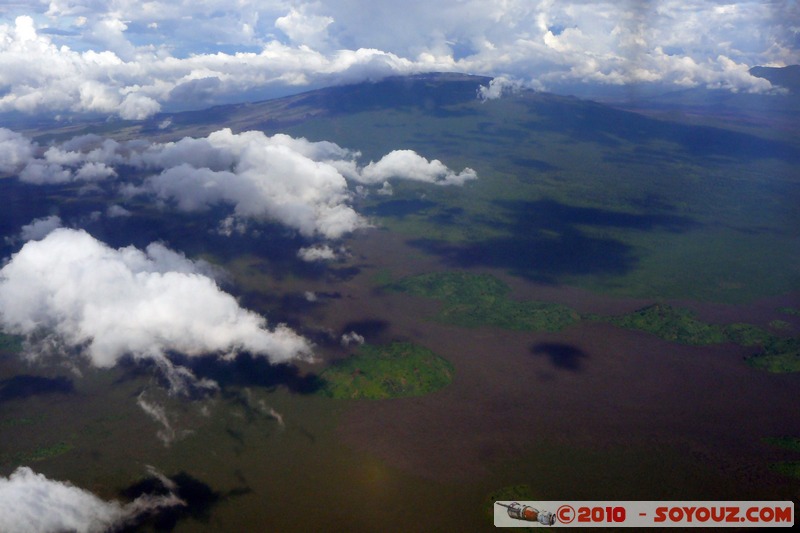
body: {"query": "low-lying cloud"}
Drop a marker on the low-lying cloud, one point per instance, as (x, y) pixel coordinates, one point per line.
(409, 165)
(110, 303)
(302, 184)
(320, 252)
(32, 503)
(499, 87)
(16, 150)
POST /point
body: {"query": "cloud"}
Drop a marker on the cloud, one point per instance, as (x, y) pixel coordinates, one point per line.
(32, 503)
(407, 164)
(277, 178)
(304, 28)
(108, 303)
(167, 433)
(36, 230)
(352, 338)
(117, 211)
(498, 87)
(135, 83)
(39, 228)
(294, 181)
(315, 253)
(117, 58)
(15, 150)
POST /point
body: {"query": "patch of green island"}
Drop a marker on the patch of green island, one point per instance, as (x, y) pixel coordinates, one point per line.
(379, 372)
(680, 325)
(780, 325)
(787, 468)
(787, 443)
(474, 300)
(10, 343)
(790, 311)
(18, 422)
(779, 355)
(38, 454)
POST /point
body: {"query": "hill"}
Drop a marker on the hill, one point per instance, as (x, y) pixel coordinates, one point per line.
(570, 191)
(786, 77)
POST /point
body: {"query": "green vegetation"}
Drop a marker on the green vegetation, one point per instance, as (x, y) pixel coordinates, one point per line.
(10, 343)
(38, 454)
(779, 355)
(561, 194)
(474, 300)
(787, 468)
(790, 311)
(787, 443)
(389, 371)
(680, 325)
(747, 335)
(23, 421)
(780, 325)
(672, 324)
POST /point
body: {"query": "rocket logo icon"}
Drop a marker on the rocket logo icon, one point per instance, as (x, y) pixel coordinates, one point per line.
(529, 514)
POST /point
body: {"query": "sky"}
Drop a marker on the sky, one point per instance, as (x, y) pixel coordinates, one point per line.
(134, 58)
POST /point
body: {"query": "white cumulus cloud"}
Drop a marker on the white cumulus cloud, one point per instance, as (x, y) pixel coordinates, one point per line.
(39, 228)
(407, 164)
(321, 252)
(498, 87)
(352, 338)
(15, 150)
(132, 59)
(32, 503)
(108, 303)
(294, 181)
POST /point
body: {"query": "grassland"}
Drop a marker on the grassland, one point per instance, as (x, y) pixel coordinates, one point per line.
(569, 191)
(579, 194)
(387, 371)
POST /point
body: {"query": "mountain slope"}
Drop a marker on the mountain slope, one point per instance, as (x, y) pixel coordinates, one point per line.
(570, 191)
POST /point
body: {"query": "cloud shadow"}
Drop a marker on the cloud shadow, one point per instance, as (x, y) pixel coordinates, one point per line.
(544, 241)
(563, 356)
(249, 371)
(24, 386)
(199, 497)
